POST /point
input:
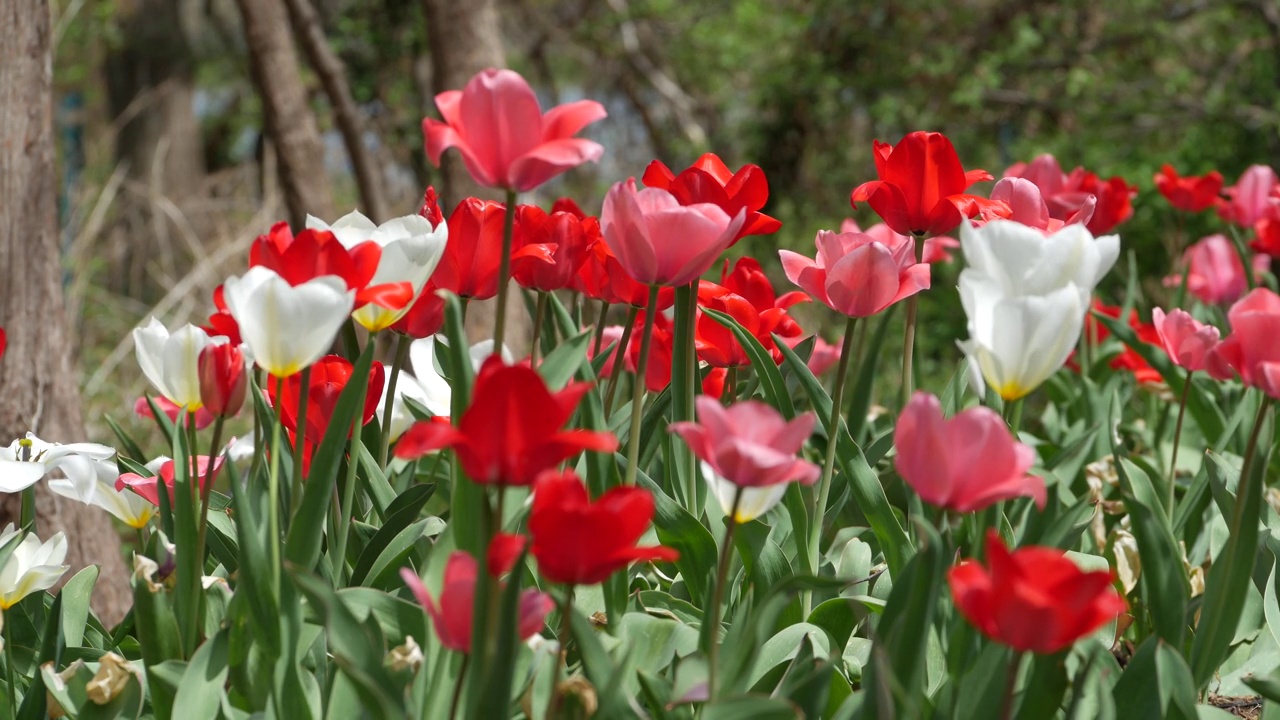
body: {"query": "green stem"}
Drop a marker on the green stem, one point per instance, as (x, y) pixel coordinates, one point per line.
(273, 495)
(389, 402)
(691, 389)
(9, 671)
(300, 441)
(1013, 415)
(258, 384)
(1010, 685)
(600, 318)
(27, 513)
(349, 488)
(504, 271)
(833, 436)
(202, 530)
(350, 340)
(619, 359)
(1177, 435)
(908, 350)
(457, 686)
(566, 631)
(637, 391)
(539, 312)
(722, 577)
(730, 385)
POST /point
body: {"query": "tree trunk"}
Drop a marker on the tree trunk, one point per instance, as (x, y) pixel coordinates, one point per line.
(287, 118)
(333, 76)
(38, 380)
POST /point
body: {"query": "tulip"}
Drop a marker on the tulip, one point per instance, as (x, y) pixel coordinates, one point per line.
(93, 483)
(435, 389)
(142, 408)
(1190, 193)
(316, 253)
(657, 373)
(1129, 359)
(565, 240)
(824, 356)
(512, 430)
(856, 275)
(937, 249)
(1253, 347)
(4, 341)
(170, 361)
(602, 277)
(425, 317)
(1033, 599)
(149, 487)
(411, 249)
(469, 267)
(1026, 205)
(921, 185)
(709, 180)
(661, 242)
(451, 618)
(1251, 198)
(29, 459)
(580, 542)
(1188, 341)
(747, 296)
(752, 502)
(505, 139)
(1025, 295)
(221, 323)
(1215, 274)
(222, 379)
(1082, 194)
(287, 327)
(963, 464)
(32, 566)
(749, 443)
(329, 377)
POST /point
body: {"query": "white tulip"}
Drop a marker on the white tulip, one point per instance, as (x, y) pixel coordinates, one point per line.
(93, 482)
(33, 566)
(755, 501)
(406, 387)
(28, 459)
(287, 328)
(437, 395)
(171, 361)
(1026, 295)
(411, 249)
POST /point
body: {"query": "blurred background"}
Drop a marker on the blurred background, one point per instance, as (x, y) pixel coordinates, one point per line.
(187, 127)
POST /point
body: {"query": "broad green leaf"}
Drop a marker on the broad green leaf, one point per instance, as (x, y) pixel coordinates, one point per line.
(75, 605)
(201, 688)
(1164, 582)
(678, 529)
(771, 382)
(407, 507)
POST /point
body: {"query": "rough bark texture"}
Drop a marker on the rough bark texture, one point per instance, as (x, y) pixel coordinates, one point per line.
(287, 118)
(38, 380)
(346, 115)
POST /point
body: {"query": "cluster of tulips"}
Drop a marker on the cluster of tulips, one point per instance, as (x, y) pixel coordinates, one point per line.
(460, 532)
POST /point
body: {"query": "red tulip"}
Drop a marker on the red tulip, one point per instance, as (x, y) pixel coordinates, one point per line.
(451, 618)
(602, 277)
(661, 242)
(4, 341)
(1253, 347)
(856, 275)
(1188, 342)
(313, 253)
(1191, 193)
(329, 377)
(749, 443)
(1252, 197)
(222, 379)
(1034, 599)
(719, 347)
(565, 239)
(579, 542)
(505, 139)
(1266, 233)
(1216, 275)
(512, 430)
(709, 180)
(966, 463)
(149, 487)
(1070, 197)
(425, 317)
(658, 372)
(142, 408)
(221, 322)
(921, 185)
(1128, 359)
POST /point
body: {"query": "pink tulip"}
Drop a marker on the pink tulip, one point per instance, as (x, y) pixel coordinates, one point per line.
(749, 443)
(1251, 197)
(1253, 347)
(965, 463)
(937, 249)
(1026, 205)
(1216, 275)
(142, 408)
(857, 275)
(505, 139)
(149, 487)
(452, 616)
(823, 357)
(1186, 339)
(659, 241)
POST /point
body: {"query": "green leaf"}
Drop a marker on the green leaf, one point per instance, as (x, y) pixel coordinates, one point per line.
(678, 529)
(751, 707)
(75, 604)
(561, 364)
(1156, 684)
(864, 384)
(1164, 582)
(401, 513)
(394, 553)
(200, 691)
(771, 382)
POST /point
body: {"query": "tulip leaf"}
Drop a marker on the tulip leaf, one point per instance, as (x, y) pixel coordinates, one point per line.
(1156, 683)
(75, 605)
(253, 584)
(865, 486)
(389, 557)
(678, 529)
(864, 384)
(561, 364)
(495, 701)
(1232, 569)
(378, 490)
(1164, 582)
(751, 707)
(979, 693)
(408, 507)
(201, 687)
(126, 441)
(771, 382)
(307, 529)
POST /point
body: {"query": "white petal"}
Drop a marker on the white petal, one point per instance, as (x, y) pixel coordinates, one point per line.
(436, 393)
(16, 476)
(286, 327)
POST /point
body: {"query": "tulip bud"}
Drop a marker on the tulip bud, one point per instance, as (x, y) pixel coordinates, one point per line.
(222, 379)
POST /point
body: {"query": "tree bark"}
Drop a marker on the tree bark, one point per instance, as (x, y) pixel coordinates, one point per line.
(38, 379)
(287, 117)
(333, 76)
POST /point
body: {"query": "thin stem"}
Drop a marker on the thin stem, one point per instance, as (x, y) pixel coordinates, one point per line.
(27, 513)
(833, 436)
(389, 402)
(1177, 435)
(457, 686)
(722, 577)
(9, 671)
(1010, 685)
(273, 495)
(600, 318)
(1013, 415)
(637, 391)
(691, 389)
(504, 271)
(620, 358)
(202, 530)
(730, 385)
(258, 433)
(566, 632)
(908, 350)
(539, 312)
(1249, 451)
(349, 488)
(300, 441)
